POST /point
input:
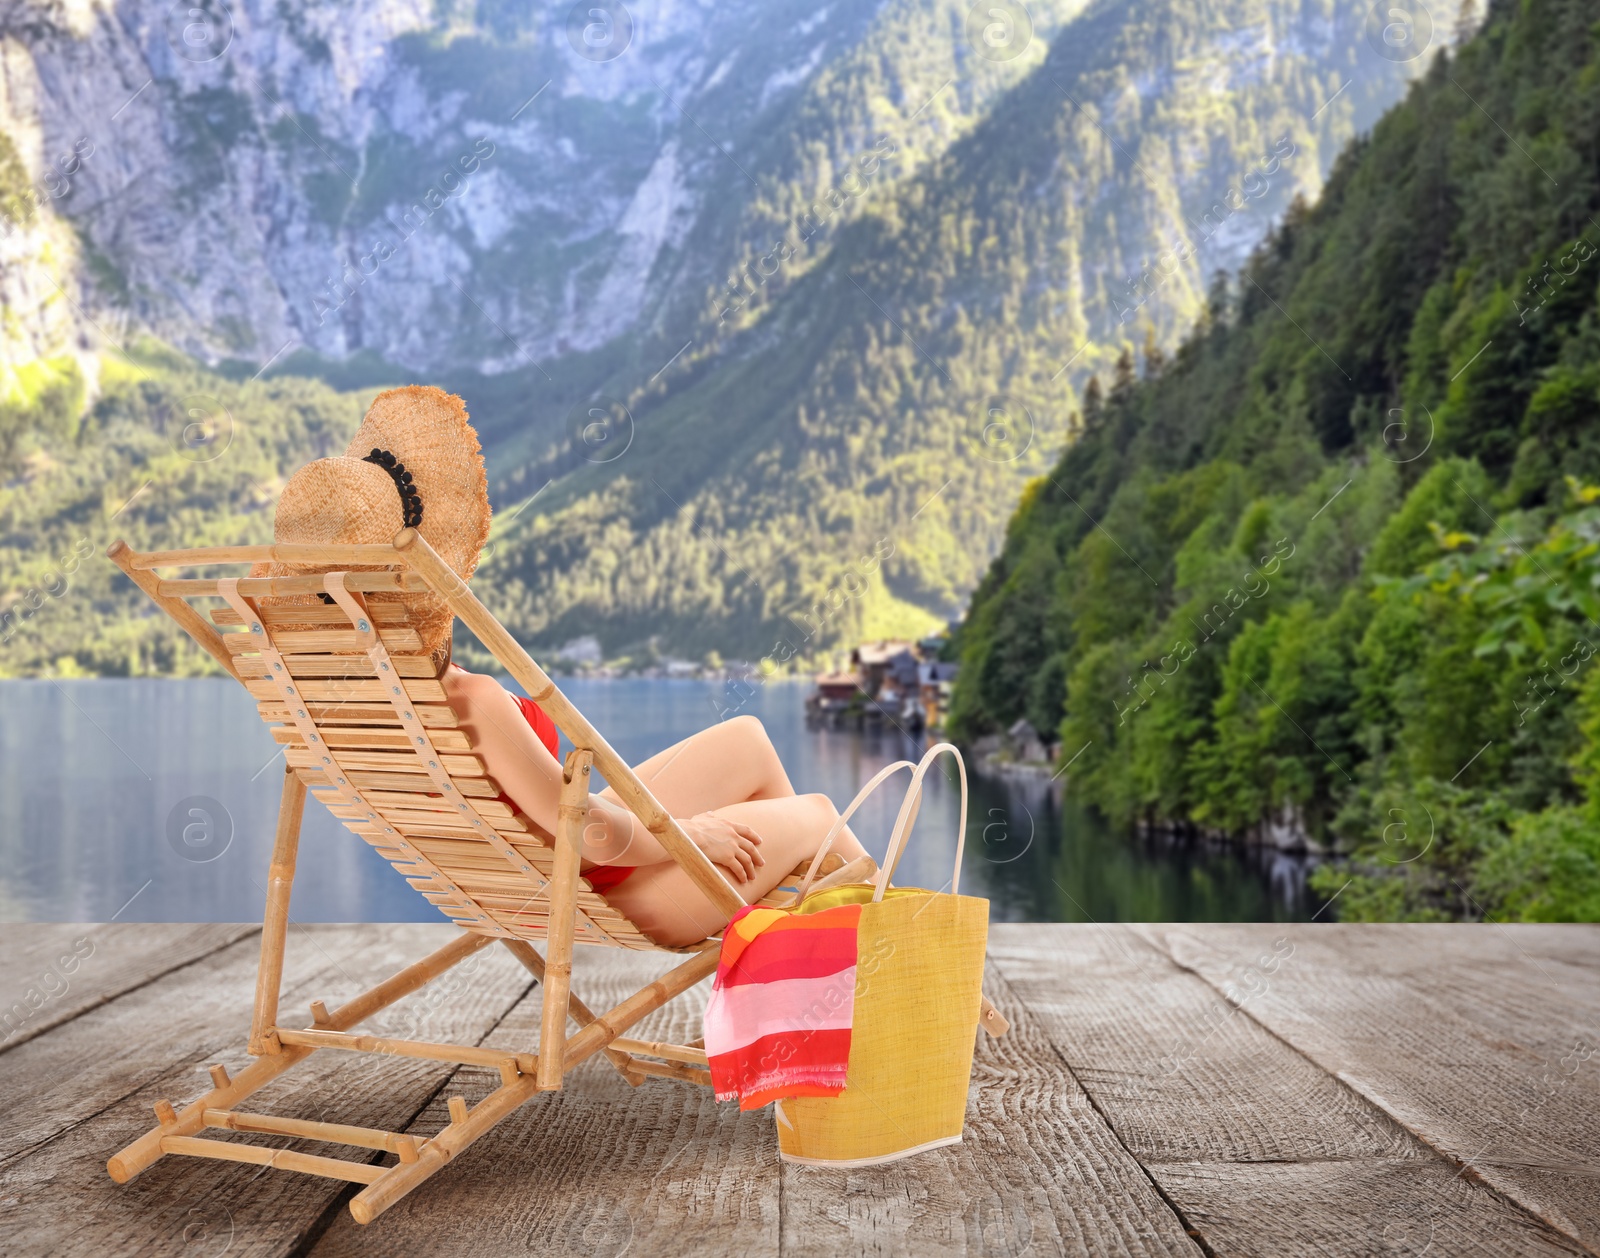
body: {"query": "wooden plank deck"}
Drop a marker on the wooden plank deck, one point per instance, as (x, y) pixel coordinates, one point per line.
(1195, 1089)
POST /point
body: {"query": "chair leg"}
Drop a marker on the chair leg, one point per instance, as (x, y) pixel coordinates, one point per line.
(275, 923)
(148, 1149)
(382, 1193)
(529, 956)
(574, 812)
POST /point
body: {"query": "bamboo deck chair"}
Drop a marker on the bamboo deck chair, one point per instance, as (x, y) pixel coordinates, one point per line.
(362, 716)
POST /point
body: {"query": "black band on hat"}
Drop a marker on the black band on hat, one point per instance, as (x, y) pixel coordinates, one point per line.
(410, 499)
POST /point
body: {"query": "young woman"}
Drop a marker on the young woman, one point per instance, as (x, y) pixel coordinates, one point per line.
(725, 785)
(415, 462)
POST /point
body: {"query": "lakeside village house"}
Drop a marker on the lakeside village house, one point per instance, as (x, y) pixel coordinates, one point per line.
(902, 682)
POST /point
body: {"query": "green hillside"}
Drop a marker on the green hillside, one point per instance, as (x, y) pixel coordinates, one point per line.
(165, 454)
(842, 463)
(1333, 565)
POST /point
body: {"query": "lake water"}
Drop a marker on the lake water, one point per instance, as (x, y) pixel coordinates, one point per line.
(154, 800)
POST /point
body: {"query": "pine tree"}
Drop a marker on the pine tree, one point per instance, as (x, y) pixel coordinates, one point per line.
(1217, 296)
(1093, 404)
(1154, 360)
(1122, 380)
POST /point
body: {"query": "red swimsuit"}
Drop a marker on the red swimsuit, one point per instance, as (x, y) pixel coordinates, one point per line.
(601, 877)
(542, 725)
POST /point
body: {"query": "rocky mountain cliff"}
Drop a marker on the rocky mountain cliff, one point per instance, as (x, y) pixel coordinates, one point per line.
(454, 186)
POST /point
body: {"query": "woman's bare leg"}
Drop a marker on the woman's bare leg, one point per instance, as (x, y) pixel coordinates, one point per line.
(662, 901)
(729, 763)
(734, 763)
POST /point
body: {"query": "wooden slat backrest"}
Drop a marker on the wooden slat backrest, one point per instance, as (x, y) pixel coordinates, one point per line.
(507, 877)
(462, 873)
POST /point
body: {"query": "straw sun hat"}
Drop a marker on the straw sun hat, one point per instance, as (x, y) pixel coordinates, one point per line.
(414, 461)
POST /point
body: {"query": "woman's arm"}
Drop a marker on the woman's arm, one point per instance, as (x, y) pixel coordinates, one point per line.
(531, 776)
(730, 844)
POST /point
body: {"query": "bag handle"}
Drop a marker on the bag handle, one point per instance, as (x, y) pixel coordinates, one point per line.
(816, 861)
(908, 817)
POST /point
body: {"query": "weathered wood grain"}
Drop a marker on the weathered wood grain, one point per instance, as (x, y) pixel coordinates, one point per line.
(1371, 1208)
(112, 1053)
(55, 1196)
(1484, 1040)
(599, 1168)
(56, 971)
(1037, 1171)
(1261, 1150)
(1282, 1126)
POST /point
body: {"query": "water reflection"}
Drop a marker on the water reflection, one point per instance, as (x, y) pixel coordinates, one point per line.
(156, 800)
(1041, 857)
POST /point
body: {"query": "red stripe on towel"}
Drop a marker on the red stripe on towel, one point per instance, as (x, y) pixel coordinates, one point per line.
(787, 1063)
(794, 954)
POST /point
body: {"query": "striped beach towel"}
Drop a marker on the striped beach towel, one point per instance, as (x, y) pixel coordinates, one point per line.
(778, 1021)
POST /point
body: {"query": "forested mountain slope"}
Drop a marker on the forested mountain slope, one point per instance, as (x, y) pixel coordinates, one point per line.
(507, 206)
(1333, 564)
(753, 163)
(870, 426)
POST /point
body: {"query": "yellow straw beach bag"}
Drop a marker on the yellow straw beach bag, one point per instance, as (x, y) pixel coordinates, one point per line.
(919, 976)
